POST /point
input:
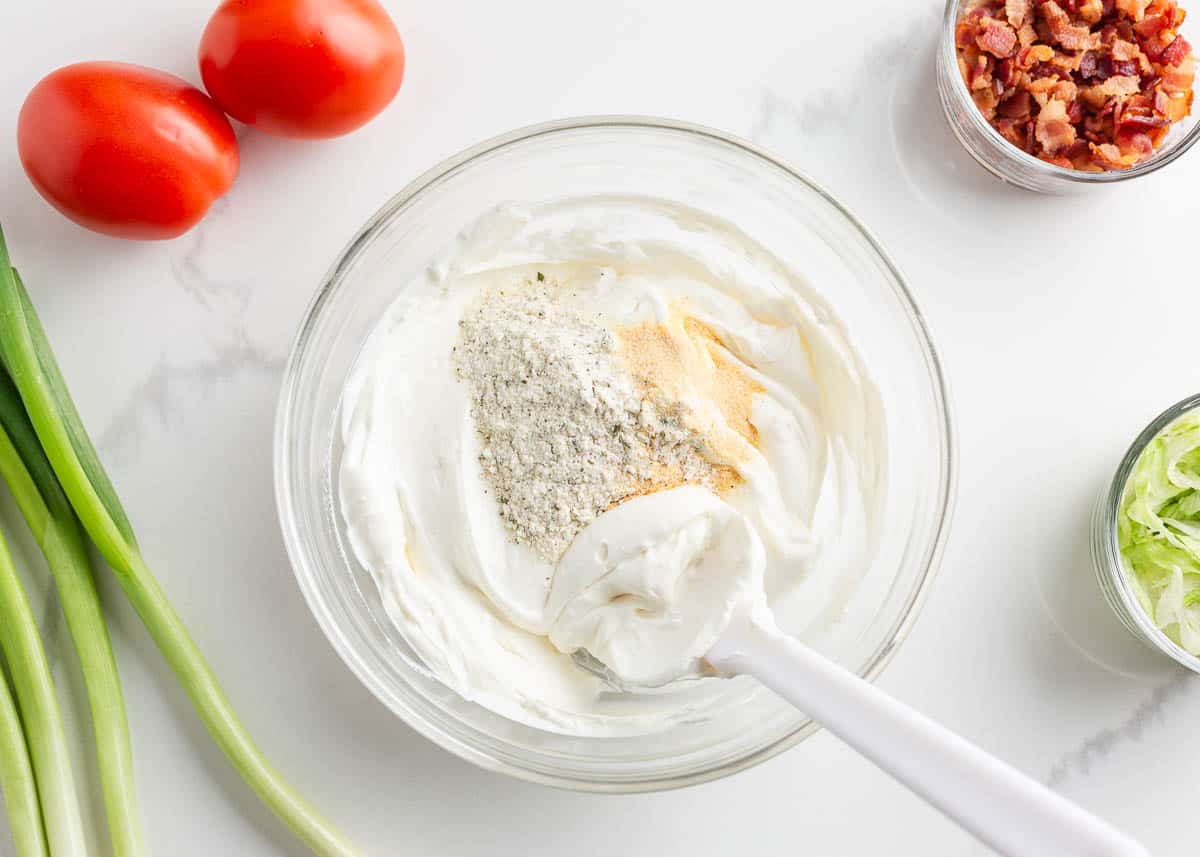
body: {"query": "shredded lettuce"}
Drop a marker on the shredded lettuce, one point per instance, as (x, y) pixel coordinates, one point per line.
(1158, 530)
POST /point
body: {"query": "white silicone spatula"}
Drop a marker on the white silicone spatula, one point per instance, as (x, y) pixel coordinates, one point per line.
(669, 582)
(1009, 811)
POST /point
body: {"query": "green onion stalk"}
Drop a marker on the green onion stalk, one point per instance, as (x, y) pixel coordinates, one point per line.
(24, 467)
(26, 354)
(40, 714)
(17, 783)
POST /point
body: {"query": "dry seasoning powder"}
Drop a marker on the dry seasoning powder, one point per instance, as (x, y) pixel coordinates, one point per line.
(565, 433)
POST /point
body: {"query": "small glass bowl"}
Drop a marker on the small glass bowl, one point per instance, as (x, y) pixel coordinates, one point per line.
(784, 211)
(1106, 552)
(1004, 160)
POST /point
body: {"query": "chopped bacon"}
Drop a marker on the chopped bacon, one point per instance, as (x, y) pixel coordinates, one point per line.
(1177, 51)
(1043, 88)
(1006, 74)
(1173, 106)
(1018, 12)
(1097, 95)
(1130, 119)
(1065, 91)
(1065, 64)
(1095, 67)
(1138, 144)
(1073, 37)
(1135, 9)
(1110, 157)
(996, 37)
(1084, 84)
(1018, 106)
(1027, 58)
(986, 100)
(1180, 78)
(1123, 50)
(1151, 26)
(1054, 128)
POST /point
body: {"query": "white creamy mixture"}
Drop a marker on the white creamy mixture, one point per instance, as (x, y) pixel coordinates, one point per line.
(736, 348)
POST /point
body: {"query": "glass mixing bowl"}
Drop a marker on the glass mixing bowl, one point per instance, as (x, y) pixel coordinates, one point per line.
(783, 210)
(1004, 160)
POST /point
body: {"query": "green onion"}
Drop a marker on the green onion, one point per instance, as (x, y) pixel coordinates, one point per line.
(30, 362)
(16, 780)
(23, 465)
(40, 714)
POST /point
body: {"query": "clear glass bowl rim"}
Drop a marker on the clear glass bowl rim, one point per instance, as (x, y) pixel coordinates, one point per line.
(1051, 171)
(1109, 559)
(334, 278)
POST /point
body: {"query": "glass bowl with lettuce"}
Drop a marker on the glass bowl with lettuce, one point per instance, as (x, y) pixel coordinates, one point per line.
(1146, 535)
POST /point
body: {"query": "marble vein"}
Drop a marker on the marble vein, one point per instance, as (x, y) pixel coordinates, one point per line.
(821, 109)
(1080, 761)
(192, 275)
(156, 392)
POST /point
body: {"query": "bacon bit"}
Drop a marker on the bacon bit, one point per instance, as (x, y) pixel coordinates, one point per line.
(1135, 9)
(1018, 106)
(1094, 66)
(997, 38)
(1027, 58)
(1180, 78)
(1054, 128)
(1006, 74)
(1125, 68)
(1096, 96)
(1068, 63)
(1156, 47)
(1151, 26)
(976, 68)
(986, 100)
(1167, 8)
(1070, 36)
(1010, 129)
(1110, 157)
(1042, 88)
(1173, 106)
(1123, 50)
(1177, 51)
(1091, 11)
(1139, 145)
(1027, 35)
(1130, 119)
(1065, 91)
(1079, 147)
(1018, 12)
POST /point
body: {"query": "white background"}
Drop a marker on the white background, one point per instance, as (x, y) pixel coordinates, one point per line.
(1065, 325)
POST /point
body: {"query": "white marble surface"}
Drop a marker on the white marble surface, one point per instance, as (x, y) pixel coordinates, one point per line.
(175, 352)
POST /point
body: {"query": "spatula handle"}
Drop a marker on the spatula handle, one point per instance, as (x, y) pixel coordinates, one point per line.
(1009, 811)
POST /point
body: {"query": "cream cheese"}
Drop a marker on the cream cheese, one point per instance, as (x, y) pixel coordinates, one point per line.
(496, 622)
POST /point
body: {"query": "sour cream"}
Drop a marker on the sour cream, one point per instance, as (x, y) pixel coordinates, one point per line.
(497, 623)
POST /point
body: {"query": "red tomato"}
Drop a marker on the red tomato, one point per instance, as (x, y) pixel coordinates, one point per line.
(302, 68)
(126, 150)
